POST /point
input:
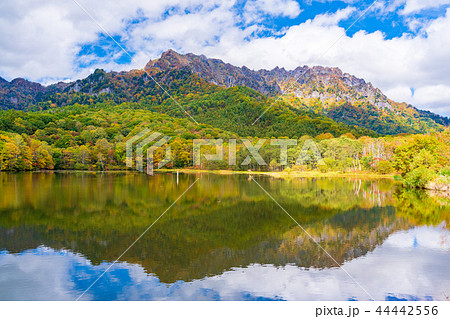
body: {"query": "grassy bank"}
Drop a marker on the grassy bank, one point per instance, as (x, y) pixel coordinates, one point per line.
(284, 174)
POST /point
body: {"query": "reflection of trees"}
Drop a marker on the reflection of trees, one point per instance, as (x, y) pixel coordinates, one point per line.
(345, 236)
(222, 222)
(421, 207)
(197, 246)
(336, 193)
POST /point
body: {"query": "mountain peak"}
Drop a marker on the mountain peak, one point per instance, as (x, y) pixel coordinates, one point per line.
(170, 52)
(168, 60)
(26, 85)
(214, 71)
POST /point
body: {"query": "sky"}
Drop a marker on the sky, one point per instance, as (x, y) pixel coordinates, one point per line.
(400, 46)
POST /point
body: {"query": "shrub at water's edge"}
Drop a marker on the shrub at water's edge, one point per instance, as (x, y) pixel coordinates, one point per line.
(423, 161)
(439, 183)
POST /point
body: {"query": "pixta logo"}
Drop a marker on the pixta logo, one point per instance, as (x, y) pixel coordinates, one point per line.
(142, 140)
(151, 141)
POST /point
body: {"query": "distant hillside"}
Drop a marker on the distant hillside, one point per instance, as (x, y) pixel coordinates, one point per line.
(235, 109)
(319, 93)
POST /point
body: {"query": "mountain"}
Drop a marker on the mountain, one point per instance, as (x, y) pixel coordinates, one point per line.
(328, 91)
(232, 109)
(235, 109)
(214, 71)
(21, 93)
(322, 93)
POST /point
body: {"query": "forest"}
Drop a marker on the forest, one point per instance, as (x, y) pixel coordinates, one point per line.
(93, 137)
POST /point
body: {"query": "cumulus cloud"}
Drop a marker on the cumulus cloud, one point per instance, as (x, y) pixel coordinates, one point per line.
(411, 6)
(256, 9)
(42, 41)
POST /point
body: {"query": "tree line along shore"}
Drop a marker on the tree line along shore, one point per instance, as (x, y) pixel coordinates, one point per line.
(94, 138)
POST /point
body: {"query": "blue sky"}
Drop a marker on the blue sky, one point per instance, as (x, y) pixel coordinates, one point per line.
(392, 24)
(400, 46)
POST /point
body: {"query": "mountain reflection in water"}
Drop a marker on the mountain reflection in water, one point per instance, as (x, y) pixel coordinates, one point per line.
(224, 240)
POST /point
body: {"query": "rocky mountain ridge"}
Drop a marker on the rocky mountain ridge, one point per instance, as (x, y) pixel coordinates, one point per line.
(304, 82)
(321, 90)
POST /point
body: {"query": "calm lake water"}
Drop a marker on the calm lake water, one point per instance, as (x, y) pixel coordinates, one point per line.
(225, 239)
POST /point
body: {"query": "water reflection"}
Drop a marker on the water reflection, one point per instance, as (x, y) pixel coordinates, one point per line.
(224, 240)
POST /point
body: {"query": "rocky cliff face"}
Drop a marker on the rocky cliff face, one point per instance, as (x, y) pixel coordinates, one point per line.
(304, 82)
(214, 71)
(330, 85)
(20, 93)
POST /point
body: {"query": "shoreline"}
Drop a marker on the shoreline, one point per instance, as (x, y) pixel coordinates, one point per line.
(434, 191)
(311, 174)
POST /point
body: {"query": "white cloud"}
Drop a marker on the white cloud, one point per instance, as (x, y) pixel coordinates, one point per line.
(256, 9)
(437, 96)
(412, 6)
(409, 7)
(331, 19)
(41, 40)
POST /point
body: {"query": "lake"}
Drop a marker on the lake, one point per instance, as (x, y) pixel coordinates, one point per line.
(225, 239)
